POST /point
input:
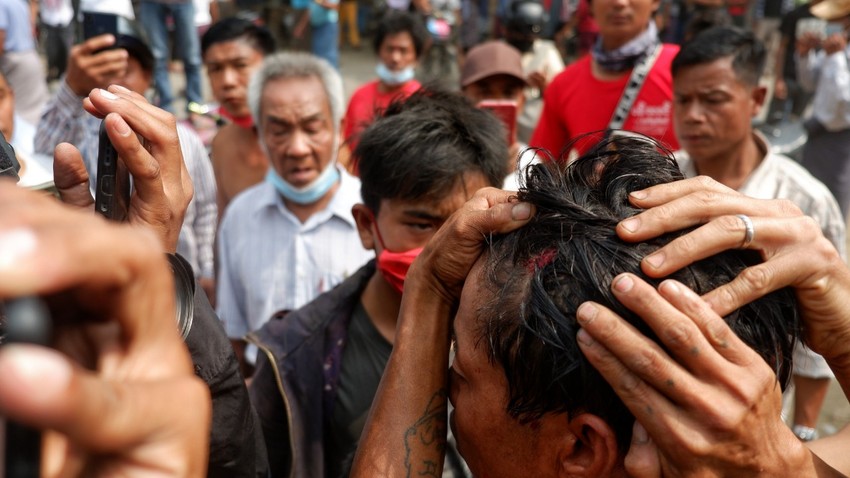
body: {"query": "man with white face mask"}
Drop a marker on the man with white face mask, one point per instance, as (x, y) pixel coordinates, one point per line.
(399, 43)
(291, 237)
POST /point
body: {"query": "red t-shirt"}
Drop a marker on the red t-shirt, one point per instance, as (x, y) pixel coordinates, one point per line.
(576, 103)
(366, 101)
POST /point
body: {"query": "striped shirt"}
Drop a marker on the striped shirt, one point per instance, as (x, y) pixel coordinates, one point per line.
(65, 120)
(270, 261)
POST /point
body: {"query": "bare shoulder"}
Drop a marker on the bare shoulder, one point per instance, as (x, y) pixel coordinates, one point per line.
(225, 135)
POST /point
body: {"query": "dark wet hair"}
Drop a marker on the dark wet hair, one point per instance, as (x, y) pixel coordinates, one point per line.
(568, 254)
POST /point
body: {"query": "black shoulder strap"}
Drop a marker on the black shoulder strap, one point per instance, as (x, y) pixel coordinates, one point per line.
(636, 81)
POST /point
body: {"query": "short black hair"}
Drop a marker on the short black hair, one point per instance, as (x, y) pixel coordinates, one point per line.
(569, 253)
(233, 28)
(747, 52)
(396, 21)
(420, 147)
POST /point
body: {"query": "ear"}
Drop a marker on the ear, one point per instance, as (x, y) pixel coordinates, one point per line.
(594, 452)
(759, 96)
(365, 220)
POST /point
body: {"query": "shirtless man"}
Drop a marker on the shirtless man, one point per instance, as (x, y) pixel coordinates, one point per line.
(232, 49)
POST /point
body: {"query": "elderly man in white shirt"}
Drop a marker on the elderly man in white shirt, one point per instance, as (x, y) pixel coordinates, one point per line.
(291, 237)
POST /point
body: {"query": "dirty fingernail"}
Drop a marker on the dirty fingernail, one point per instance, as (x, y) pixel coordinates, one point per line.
(631, 224)
(586, 313)
(521, 211)
(623, 283)
(655, 260)
(584, 338)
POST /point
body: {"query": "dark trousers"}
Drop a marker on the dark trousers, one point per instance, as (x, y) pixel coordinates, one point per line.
(58, 42)
(827, 156)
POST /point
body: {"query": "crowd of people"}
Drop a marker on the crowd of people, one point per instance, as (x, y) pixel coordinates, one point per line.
(574, 257)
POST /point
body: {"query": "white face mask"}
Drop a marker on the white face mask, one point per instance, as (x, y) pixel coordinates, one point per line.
(394, 78)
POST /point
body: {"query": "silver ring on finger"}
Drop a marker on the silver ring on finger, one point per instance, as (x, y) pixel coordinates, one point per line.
(749, 230)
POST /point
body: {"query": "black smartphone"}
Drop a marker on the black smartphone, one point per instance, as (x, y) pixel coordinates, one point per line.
(112, 193)
(96, 24)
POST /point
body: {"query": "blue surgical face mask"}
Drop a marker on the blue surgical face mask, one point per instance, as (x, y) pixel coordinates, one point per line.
(394, 78)
(309, 193)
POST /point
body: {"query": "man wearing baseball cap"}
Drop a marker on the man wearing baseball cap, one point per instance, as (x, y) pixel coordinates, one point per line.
(492, 77)
(826, 72)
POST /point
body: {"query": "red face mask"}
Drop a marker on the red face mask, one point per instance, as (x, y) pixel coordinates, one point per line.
(394, 265)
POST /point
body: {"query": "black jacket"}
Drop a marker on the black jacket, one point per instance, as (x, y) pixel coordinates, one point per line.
(236, 440)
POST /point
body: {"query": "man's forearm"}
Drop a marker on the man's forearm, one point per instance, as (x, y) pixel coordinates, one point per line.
(406, 431)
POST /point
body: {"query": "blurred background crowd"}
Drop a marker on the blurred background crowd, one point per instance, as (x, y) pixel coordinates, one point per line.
(557, 74)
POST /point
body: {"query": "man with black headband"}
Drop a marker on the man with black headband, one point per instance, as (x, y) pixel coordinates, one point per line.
(627, 58)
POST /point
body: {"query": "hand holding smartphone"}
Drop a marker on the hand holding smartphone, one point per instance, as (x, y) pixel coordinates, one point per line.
(96, 24)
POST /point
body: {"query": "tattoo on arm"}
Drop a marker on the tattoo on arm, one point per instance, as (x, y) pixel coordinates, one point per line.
(425, 440)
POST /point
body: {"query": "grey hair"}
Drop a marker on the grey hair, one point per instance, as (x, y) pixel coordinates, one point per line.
(297, 65)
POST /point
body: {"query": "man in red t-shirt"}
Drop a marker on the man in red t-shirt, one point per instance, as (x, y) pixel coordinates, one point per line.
(582, 99)
(399, 42)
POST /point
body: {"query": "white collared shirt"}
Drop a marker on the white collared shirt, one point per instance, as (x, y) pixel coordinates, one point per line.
(828, 76)
(270, 261)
